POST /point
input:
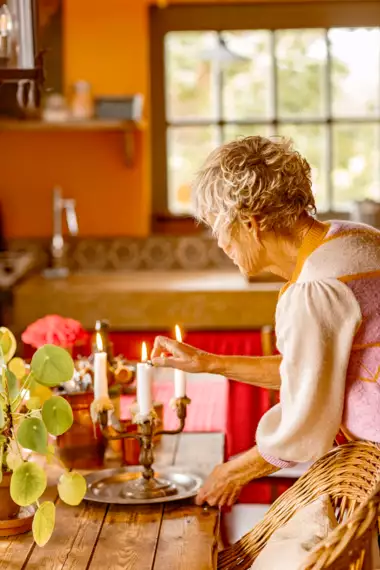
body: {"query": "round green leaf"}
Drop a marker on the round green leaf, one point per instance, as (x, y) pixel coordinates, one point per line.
(32, 434)
(34, 403)
(7, 344)
(52, 365)
(72, 488)
(18, 367)
(12, 383)
(57, 415)
(43, 523)
(13, 460)
(39, 391)
(28, 482)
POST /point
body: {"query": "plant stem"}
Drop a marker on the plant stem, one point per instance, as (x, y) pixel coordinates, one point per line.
(17, 445)
(8, 429)
(23, 388)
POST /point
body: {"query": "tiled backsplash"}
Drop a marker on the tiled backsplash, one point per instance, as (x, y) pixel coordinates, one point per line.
(123, 254)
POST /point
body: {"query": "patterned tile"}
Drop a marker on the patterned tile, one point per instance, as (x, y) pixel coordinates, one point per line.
(132, 254)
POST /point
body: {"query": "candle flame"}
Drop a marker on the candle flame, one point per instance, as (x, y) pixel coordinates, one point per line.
(99, 342)
(144, 352)
(178, 333)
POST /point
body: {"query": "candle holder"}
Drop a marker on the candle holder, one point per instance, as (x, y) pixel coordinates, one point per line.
(146, 487)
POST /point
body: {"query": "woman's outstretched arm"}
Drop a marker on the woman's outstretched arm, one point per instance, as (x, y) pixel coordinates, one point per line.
(260, 371)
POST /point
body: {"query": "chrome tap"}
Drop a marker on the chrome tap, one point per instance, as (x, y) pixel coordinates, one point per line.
(58, 247)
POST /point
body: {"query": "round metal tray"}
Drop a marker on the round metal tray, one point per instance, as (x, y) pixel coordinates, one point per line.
(106, 486)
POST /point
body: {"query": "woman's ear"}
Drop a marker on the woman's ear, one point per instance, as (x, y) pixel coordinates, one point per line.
(253, 225)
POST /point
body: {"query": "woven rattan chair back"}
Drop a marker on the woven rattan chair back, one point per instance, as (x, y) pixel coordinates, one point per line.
(350, 475)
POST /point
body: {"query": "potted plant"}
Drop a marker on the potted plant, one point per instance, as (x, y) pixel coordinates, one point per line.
(25, 426)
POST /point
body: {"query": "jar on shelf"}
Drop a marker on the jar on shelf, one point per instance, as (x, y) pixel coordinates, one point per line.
(82, 104)
(55, 109)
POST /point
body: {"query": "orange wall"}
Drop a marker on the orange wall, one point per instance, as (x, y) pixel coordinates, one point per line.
(105, 43)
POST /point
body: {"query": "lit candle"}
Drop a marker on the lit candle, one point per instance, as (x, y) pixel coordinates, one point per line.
(100, 375)
(99, 342)
(144, 378)
(179, 375)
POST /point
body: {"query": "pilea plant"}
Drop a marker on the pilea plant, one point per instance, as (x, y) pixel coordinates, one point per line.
(29, 412)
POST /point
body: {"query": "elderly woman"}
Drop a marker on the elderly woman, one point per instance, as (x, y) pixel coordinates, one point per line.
(256, 195)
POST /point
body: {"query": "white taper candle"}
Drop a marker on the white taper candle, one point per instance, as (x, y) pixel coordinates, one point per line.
(100, 375)
(144, 379)
(179, 375)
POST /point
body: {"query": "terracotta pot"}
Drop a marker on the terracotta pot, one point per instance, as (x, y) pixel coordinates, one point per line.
(82, 446)
(8, 508)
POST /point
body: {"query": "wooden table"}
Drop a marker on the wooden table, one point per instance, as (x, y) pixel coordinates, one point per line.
(96, 536)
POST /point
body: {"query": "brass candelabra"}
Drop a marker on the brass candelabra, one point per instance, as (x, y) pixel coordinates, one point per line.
(147, 486)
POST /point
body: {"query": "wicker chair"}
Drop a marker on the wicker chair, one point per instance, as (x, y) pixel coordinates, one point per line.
(350, 474)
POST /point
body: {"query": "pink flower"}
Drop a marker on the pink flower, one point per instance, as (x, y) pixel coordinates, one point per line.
(54, 329)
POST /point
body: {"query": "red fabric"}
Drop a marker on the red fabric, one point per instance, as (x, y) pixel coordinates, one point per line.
(340, 438)
(207, 412)
(218, 342)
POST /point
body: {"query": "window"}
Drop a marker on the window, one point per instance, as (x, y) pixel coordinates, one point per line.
(310, 74)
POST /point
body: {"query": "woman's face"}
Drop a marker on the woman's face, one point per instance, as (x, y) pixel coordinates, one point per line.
(242, 246)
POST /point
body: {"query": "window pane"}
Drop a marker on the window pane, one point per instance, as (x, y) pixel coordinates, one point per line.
(355, 71)
(231, 132)
(247, 79)
(301, 61)
(189, 78)
(356, 164)
(188, 148)
(310, 141)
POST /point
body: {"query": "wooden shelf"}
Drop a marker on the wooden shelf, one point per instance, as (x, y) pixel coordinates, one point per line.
(11, 75)
(128, 128)
(88, 125)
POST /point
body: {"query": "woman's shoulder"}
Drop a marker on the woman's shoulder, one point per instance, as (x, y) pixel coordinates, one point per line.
(340, 228)
(348, 248)
(319, 299)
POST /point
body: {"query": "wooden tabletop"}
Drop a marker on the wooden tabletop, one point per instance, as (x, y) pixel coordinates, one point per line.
(96, 536)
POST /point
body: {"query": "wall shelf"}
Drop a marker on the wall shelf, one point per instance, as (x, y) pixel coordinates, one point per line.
(128, 128)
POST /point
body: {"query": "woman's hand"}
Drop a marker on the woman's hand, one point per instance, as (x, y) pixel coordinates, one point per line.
(222, 487)
(170, 353)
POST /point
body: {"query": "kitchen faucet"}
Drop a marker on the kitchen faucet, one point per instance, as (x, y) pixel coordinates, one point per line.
(58, 247)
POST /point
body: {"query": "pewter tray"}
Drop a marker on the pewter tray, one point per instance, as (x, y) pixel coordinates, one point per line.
(106, 486)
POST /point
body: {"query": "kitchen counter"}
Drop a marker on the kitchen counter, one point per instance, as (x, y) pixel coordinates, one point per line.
(146, 300)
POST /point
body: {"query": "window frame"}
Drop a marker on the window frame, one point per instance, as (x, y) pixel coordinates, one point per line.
(268, 16)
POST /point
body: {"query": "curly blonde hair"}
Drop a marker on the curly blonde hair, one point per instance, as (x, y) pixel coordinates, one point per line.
(254, 176)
